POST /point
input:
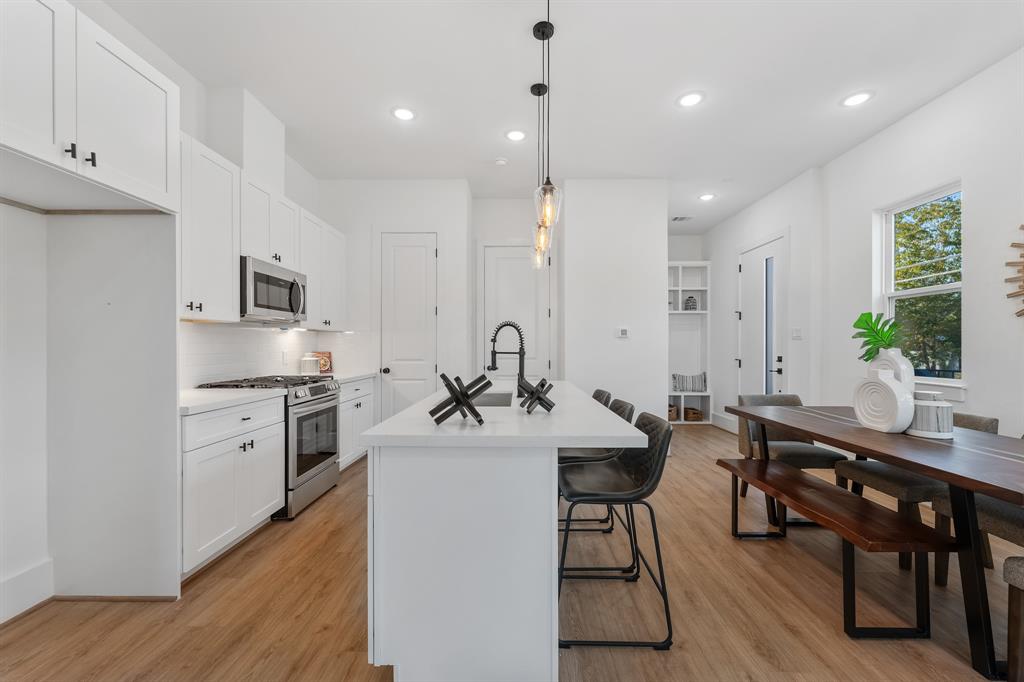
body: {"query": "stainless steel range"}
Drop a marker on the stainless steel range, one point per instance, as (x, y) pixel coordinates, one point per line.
(311, 435)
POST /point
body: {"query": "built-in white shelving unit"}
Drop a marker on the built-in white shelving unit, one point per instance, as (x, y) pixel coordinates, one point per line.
(689, 300)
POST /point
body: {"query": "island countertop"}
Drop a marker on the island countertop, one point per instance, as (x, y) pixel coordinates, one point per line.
(577, 420)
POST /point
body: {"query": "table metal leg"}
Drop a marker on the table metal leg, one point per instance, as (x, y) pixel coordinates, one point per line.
(762, 446)
(972, 576)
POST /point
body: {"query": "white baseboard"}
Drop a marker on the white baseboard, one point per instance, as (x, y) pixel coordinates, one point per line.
(345, 462)
(24, 590)
(726, 422)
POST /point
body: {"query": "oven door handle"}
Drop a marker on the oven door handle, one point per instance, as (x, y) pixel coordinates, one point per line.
(313, 406)
(302, 298)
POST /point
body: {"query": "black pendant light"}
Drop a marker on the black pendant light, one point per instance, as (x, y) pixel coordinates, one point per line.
(547, 197)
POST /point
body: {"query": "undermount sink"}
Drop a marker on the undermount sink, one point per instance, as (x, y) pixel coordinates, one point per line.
(495, 399)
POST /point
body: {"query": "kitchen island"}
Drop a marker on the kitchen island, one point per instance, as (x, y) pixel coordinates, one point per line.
(462, 535)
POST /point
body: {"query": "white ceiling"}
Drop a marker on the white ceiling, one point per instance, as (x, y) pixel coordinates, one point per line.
(774, 73)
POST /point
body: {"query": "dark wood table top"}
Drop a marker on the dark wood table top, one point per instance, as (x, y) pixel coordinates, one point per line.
(983, 462)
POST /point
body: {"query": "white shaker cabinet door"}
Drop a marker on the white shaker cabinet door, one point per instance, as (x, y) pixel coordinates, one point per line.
(310, 255)
(210, 489)
(284, 233)
(347, 429)
(262, 475)
(37, 79)
(332, 269)
(210, 223)
(363, 422)
(257, 211)
(128, 119)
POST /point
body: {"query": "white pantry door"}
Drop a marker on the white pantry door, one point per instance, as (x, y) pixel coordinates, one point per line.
(514, 290)
(408, 319)
(763, 295)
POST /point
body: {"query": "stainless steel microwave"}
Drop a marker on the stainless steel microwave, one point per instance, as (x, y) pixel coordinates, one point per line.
(271, 293)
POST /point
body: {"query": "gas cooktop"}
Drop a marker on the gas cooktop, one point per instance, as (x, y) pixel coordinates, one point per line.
(274, 381)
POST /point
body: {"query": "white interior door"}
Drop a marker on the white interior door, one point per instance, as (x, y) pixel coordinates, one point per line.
(514, 290)
(408, 319)
(763, 321)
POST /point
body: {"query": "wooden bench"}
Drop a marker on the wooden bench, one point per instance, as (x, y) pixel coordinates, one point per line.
(859, 522)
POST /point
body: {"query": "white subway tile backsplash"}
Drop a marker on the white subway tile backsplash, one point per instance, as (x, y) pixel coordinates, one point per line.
(216, 352)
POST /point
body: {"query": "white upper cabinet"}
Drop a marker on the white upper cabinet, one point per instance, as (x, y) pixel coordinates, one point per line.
(322, 260)
(75, 97)
(37, 79)
(309, 265)
(284, 233)
(257, 210)
(210, 226)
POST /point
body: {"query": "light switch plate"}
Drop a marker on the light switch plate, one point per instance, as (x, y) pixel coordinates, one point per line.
(798, 334)
(622, 332)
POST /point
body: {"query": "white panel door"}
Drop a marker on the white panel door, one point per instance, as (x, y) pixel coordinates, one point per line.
(210, 489)
(310, 250)
(408, 302)
(128, 119)
(763, 295)
(210, 224)
(284, 233)
(514, 290)
(332, 277)
(257, 208)
(262, 478)
(37, 79)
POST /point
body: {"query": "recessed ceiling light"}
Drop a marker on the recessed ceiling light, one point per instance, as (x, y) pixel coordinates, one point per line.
(501, 161)
(516, 135)
(691, 99)
(706, 197)
(857, 98)
(403, 114)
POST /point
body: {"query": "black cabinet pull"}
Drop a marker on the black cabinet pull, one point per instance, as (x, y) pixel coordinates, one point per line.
(91, 159)
(243, 447)
(245, 419)
(190, 306)
(199, 307)
(252, 445)
(73, 151)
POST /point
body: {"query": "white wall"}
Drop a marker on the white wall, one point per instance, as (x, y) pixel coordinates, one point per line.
(793, 210)
(615, 259)
(300, 186)
(363, 209)
(685, 247)
(112, 423)
(972, 135)
(26, 569)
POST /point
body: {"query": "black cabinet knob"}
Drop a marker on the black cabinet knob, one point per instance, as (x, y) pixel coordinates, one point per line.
(91, 159)
(73, 151)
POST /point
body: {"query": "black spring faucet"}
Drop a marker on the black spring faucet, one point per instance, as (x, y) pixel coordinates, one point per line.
(493, 367)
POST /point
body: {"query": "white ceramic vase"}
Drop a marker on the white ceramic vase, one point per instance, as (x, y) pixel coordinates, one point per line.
(882, 403)
(893, 359)
(933, 416)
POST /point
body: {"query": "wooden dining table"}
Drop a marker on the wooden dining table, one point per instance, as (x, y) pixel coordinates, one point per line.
(972, 462)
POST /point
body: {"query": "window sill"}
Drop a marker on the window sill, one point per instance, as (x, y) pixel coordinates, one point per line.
(953, 390)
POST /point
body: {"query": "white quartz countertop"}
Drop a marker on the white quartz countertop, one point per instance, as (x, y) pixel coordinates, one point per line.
(197, 400)
(577, 420)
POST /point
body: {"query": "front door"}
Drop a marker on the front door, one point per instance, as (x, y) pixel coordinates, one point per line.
(514, 290)
(763, 286)
(408, 319)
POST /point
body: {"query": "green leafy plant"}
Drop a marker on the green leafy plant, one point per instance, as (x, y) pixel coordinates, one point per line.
(877, 333)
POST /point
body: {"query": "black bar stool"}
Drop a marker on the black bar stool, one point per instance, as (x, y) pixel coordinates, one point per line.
(625, 480)
(578, 455)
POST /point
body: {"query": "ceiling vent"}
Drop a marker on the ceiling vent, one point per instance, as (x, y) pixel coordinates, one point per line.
(681, 218)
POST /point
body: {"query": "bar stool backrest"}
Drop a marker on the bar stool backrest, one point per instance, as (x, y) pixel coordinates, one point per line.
(602, 396)
(623, 409)
(645, 465)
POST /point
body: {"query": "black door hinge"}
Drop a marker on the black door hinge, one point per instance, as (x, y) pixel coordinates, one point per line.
(549, 364)
(739, 362)
(435, 311)
(435, 369)
(549, 261)
(549, 312)
(739, 314)
(740, 266)
(435, 253)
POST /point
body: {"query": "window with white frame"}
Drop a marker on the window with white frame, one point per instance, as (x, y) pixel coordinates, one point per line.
(923, 259)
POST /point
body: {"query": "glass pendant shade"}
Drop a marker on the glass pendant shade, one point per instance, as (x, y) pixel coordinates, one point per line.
(538, 259)
(548, 200)
(542, 238)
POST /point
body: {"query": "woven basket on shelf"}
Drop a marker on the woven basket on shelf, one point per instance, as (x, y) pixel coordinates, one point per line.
(692, 414)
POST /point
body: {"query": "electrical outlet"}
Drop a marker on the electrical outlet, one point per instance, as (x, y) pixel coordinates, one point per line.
(284, 358)
(798, 334)
(622, 332)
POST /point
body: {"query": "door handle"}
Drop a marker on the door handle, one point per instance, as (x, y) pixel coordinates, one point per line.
(386, 370)
(775, 371)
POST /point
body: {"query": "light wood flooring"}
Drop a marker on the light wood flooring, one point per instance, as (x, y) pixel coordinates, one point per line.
(291, 603)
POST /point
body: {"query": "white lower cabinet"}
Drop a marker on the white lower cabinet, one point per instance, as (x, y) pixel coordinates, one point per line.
(228, 488)
(355, 415)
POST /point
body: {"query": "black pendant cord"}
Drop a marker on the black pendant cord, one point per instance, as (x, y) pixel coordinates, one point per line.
(547, 106)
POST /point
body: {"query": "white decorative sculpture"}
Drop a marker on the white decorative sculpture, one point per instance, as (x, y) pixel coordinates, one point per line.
(893, 359)
(883, 403)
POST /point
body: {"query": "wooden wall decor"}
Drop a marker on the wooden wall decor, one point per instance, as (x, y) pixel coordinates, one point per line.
(1017, 279)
